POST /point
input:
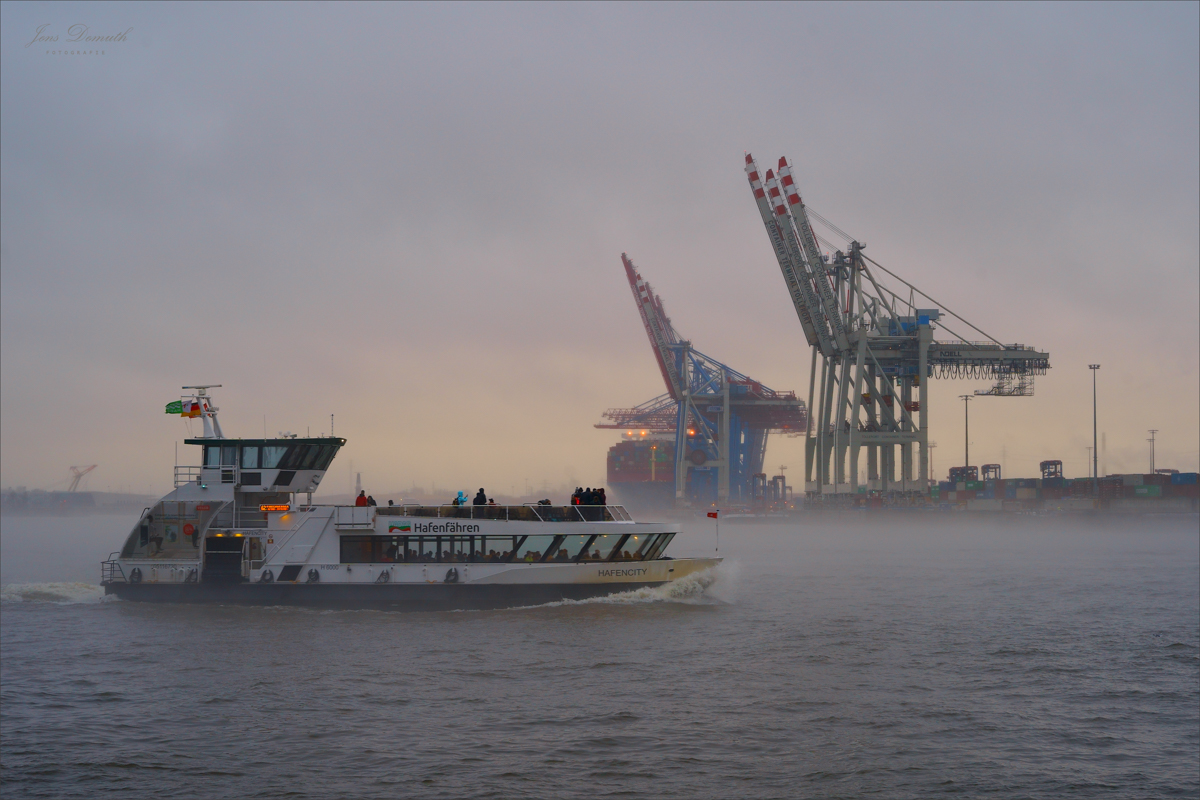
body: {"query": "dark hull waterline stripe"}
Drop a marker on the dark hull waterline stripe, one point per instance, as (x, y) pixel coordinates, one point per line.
(393, 597)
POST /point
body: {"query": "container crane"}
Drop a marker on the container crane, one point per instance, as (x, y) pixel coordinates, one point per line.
(875, 347)
(77, 474)
(720, 417)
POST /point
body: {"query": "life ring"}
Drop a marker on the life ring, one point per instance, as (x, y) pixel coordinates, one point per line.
(135, 575)
(384, 577)
(266, 577)
(452, 575)
(314, 576)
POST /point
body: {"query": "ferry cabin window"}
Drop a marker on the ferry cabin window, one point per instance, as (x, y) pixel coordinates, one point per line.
(271, 454)
(601, 547)
(250, 457)
(228, 455)
(212, 456)
(654, 550)
(359, 549)
(568, 549)
(512, 549)
(634, 547)
(456, 549)
(533, 548)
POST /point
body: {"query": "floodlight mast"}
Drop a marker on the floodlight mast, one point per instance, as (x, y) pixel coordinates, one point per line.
(876, 349)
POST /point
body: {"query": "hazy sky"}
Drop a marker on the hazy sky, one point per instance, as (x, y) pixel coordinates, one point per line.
(411, 216)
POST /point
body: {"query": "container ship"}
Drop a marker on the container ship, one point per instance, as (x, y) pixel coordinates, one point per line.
(641, 472)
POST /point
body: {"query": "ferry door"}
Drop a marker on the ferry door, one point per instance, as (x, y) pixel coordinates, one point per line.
(223, 559)
(254, 552)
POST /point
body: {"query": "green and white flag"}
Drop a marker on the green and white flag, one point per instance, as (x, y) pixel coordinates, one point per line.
(175, 407)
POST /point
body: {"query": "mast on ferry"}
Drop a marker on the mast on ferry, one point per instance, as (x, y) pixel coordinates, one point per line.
(200, 405)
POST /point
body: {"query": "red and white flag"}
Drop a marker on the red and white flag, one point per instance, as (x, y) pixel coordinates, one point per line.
(712, 514)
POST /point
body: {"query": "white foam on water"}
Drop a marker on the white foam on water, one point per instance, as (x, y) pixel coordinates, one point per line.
(61, 593)
(693, 589)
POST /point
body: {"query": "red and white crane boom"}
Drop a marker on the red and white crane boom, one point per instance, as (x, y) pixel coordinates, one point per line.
(796, 275)
(658, 328)
(808, 241)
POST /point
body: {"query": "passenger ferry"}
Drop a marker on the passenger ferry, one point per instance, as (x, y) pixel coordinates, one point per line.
(242, 528)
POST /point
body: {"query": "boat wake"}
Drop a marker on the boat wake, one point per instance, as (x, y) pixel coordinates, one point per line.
(713, 586)
(60, 593)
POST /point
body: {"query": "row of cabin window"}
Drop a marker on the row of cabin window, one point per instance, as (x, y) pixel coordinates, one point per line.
(289, 456)
(485, 549)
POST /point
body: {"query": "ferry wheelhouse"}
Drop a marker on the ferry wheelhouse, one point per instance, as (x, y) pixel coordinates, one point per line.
(241, 527)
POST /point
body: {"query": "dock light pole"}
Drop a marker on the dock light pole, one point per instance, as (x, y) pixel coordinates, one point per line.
(966, 398)
(1095, 449)
(1151, 441)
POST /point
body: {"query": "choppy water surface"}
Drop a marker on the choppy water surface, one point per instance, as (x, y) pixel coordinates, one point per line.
(840, 658)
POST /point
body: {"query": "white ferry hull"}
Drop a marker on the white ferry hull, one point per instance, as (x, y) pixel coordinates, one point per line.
(523, 586)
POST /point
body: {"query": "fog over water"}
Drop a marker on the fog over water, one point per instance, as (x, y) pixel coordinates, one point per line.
(909, 657)
(412, 215)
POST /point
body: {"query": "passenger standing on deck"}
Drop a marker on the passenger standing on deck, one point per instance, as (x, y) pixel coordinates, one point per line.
(603, 497)
(361, 500)
(371, 501)
(481, 498)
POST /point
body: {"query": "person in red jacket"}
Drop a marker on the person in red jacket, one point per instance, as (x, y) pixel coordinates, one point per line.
(361, 500)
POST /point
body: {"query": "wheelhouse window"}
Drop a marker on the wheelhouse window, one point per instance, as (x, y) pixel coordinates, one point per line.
(271, 455)
(326, 456)
(250, 457)
(212, 455)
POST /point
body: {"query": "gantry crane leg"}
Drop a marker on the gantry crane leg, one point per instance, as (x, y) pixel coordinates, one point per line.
(872, 424)
(906, 461)
(924, 337)
(681, 450)
(723, 445)
(827, 424)
(860, 368)
(822, 423)
(844, 422)
(809, 440)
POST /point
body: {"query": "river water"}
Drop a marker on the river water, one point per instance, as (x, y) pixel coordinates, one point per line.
(842, 657)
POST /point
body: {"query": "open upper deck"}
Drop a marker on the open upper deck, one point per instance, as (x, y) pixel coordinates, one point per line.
(523, 513)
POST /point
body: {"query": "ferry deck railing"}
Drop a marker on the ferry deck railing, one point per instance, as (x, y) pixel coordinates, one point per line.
(229, 473)
(110, 570)
(187, 475)
(529, 512)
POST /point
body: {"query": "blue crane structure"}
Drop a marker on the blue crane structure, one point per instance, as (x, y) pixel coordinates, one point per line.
(720, 417)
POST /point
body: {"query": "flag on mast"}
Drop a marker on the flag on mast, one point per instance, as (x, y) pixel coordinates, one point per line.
(175, 407)
(712, 514)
